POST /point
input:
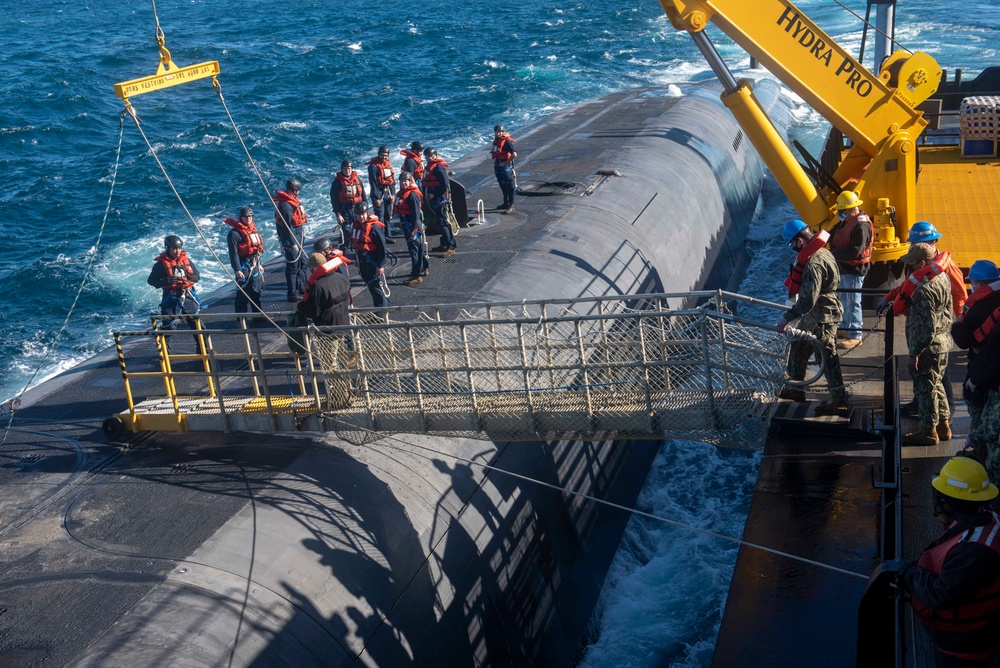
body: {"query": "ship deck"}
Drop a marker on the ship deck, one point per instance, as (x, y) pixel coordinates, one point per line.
(815, 498)
(960, 196)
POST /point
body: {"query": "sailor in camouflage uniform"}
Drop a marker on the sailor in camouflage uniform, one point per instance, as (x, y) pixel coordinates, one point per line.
(928, 337)
(820, 312)
(983, 379)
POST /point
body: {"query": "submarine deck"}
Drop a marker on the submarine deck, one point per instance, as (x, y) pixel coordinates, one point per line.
(815, 498)
(296, 549)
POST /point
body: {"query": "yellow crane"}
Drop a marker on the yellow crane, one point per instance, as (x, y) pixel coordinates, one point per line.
(877, 113)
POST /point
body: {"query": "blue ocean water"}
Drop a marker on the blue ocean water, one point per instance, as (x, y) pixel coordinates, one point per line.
(310, 83)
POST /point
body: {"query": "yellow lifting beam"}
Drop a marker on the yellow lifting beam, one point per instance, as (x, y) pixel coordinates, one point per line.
(167, 74)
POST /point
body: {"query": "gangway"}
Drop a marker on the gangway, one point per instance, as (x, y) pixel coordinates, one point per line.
(701, 365)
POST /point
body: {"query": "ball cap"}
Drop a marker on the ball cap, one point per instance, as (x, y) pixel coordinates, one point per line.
(918, 252)
(316, 260)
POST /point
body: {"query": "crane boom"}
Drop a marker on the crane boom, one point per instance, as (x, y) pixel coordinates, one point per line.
(877, 113)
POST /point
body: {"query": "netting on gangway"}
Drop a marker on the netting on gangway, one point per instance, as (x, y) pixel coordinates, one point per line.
(591, 369)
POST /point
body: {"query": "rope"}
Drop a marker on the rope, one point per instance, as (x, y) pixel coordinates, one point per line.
(156, 19)
(867, 23)
(781, 263)
(633, 511)
(225, 266)
(14, 403)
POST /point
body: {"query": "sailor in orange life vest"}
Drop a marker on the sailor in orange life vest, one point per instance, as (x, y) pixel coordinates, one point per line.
(245, 249)
(408, 208)
(851, 245)
(955, 584)
(437, 194)
(290, 220)
(970, 331)
(328, 293)
(176, 275)
(813, 282)
(413, 161)
(324, 246)
(503, 165)
(901, 296)
(368, 243)
(345, 192)
(381, 185)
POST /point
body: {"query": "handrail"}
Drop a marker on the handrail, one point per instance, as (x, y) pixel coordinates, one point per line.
(880, 613)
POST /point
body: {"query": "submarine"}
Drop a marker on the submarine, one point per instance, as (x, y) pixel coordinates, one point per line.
(299, 549)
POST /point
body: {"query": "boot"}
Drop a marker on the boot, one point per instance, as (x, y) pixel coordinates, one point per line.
(796, 394)
(922, 436)
(944, 430)
(833, 407)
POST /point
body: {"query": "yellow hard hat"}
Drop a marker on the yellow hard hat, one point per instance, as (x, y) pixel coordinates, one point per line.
(964, 478)
(848, 200)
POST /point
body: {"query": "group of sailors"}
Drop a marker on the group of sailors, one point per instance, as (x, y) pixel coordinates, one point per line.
(955, 585)
(424, 194)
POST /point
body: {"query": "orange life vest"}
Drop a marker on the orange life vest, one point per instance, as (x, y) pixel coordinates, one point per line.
(334, 253)
(350, 188)
(402, 208)
(384, 174)
(942, 263)
(431, 179)
(983, 606)
(402, 205)
(842, 238)
(418, 170)
(980, 292)
(361, 233)
(794, 280)
(503, 148)
(251, 242)
(180, 268)
(325, 269)
(298, 213)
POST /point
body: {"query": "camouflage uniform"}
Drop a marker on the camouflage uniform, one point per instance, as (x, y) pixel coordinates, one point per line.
(928, 337)
(963, 333)
(987, 435)
(820, 311)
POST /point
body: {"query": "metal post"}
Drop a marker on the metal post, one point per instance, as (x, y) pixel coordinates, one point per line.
(472, 380)
(417, 385)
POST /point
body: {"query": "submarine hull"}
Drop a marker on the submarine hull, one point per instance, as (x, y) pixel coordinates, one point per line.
(301, 550)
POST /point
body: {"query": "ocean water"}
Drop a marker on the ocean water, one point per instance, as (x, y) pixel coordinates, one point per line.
(310, 83)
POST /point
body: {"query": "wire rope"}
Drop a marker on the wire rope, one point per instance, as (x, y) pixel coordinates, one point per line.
(867, 23)
(633, 511)
(14, 402)
(225, 267)
(253, 163)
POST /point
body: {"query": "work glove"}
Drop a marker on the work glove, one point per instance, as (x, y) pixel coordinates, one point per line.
(883, 306)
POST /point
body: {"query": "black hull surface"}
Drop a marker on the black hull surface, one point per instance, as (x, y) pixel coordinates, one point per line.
(301, 550)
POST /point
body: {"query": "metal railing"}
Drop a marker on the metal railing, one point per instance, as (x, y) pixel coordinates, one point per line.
(588, 368)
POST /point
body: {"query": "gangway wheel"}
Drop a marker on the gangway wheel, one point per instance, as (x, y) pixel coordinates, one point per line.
(113, 428)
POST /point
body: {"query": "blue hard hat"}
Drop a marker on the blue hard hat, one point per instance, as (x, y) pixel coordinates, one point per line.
(792, 229)
(983, 270)
(923, 231)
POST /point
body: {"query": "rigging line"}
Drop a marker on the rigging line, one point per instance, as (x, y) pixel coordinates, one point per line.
(253, 163)
(867, 23)
(225, 267)
(15, 402)
(156, 18)
(781, 263)
(633, 511)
